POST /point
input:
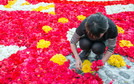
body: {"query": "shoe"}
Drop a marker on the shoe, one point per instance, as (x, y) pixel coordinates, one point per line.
(99, 57)
(84, 54)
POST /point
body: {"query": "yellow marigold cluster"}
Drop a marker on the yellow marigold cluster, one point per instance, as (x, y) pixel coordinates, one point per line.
(46, 28)
(63, 20)
(123, 43)
(43, 44)
(40, 8)
(116, 60)
(86, 66)
(52, 13)
(59, 59)
(10, 3)
(120, 29)
(81, 17)
(26, 3)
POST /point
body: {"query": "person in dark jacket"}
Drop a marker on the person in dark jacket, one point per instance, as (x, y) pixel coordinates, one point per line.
(92, 34)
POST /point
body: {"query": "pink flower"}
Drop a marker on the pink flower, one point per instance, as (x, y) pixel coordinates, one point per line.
(128, 66)
(94, 82)
(95, 65)
(111, 82)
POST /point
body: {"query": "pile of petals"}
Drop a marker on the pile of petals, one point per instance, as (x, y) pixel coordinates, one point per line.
(126, 43)
(95, 79)
(96, 64)
(43, 44)
(46, 28)
(128, 66)
(34, 66)
(59, 59)
(116, 60)
(86, 66)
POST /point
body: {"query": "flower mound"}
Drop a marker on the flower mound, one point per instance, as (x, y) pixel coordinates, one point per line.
(86, 66)
(95, 65)
(116, 60)
(59, 59)
(63, 20)
(124, 43)
(81, 17)
(43, 44)
(120, 29)
(46, 28)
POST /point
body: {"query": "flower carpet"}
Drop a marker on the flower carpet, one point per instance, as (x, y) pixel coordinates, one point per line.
(39, 28)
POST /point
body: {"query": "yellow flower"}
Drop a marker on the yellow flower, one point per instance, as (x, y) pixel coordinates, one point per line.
(125, 43)
(81, 17)
(43, 44)
(116, 60)
(120, 29)
(111, 61)
(123, 63)
(48, 7)
(34, 9)
(40, 8)
(117, 63)
(87, 66)
(59, 59)
(46, 28)
(63, 20)
(26, 3)
(10, 3)
(52, 12)
(86, 62)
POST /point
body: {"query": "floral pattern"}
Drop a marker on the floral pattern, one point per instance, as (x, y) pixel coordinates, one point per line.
(33, 65)
(116, 60)
(10, 3)
(86, 66)
(59, 59)
(43, 44)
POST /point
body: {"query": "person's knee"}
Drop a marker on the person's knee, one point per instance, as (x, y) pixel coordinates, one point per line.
(98, 48)
(85, 44)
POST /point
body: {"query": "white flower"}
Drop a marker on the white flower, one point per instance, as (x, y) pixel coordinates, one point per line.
(119, 8)
(6, 51)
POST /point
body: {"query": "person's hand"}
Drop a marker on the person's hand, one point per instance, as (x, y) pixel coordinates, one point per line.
(99, 67)
(78, 64)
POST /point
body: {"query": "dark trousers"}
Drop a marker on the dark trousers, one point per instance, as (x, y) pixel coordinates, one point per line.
(98, 47)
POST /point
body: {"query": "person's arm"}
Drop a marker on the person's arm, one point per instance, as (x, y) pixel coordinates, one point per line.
(78, 63)
(106, 56)
(75, 38)
(111, 47)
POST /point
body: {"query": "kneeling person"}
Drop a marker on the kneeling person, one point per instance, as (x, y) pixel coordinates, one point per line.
(92, 34)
